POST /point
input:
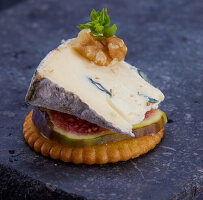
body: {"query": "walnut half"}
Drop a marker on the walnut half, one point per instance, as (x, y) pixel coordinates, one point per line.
(101, 51)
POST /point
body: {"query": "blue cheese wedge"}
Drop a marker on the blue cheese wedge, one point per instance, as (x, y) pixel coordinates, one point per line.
(115, 97)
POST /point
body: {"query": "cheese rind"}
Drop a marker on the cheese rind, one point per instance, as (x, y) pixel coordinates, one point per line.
(114, 97)
(44, 93)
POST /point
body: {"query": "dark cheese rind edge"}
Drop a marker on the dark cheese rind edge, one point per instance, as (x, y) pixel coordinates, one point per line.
(44, 93)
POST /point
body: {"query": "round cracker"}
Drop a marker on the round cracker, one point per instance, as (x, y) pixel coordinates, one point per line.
(96, 154)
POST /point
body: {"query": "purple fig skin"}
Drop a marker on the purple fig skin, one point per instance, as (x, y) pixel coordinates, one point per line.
(43, 123)
(151, 129)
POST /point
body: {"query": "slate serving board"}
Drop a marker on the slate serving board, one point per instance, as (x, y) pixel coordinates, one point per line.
(164, 39)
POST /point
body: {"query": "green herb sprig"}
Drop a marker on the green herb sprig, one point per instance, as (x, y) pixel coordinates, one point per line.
(99, 25)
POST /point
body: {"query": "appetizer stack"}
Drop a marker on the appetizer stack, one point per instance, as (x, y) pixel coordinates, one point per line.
(90, 106)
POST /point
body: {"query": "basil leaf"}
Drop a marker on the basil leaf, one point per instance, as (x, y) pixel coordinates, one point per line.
(93, 15)
(99, 24)
(110, 31)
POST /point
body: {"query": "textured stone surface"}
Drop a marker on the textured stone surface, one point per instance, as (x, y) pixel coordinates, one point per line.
(165, 39)
(6, 4)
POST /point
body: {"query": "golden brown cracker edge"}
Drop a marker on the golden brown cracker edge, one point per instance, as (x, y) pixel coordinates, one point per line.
(96, 154)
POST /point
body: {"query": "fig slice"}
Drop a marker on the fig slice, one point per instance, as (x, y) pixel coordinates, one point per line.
(70, 130)
(74, 127)
(154, 121)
